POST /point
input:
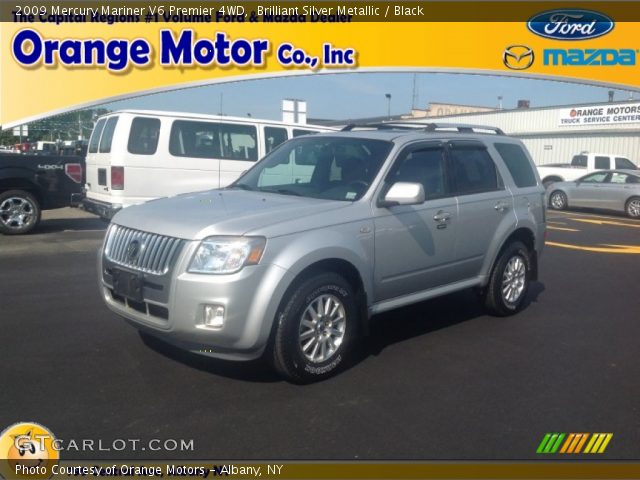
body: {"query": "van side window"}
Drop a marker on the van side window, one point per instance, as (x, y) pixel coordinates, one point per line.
(95, 136)
(143, 138)
(297, 132)
(273, 136)
(107, 135)
(517, 163)
(213, 140)
(473, 170)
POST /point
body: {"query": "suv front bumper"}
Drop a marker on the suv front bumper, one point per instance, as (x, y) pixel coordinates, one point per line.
(177, 315)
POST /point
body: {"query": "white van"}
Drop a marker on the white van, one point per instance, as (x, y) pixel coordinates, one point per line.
(138, 155)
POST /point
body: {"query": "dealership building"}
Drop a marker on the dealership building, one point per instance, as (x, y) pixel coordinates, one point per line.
(555, 134)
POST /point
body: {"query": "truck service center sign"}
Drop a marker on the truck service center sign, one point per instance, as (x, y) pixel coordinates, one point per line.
(600, 115)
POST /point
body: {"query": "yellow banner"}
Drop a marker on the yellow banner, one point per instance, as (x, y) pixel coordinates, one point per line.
(68, 58)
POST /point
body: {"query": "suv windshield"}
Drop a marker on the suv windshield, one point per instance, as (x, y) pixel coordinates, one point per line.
(331, 168)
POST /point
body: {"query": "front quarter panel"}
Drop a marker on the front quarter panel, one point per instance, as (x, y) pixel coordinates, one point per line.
(351, 242)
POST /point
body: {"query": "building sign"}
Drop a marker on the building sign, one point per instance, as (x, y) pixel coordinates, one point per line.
(600, 115)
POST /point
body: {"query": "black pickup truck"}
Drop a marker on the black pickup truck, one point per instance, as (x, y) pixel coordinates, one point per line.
(32, 183)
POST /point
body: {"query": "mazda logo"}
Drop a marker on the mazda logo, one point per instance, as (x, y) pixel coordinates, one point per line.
(133, 250)
(518, 57)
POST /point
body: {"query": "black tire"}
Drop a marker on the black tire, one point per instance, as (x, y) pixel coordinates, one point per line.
(19, 212)
(558, 200)
(632, 207)
(288, 357)
(496, 301)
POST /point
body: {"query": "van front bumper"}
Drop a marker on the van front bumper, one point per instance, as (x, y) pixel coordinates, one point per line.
(102, 209)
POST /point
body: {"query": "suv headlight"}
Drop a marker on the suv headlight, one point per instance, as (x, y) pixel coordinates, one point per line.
(227, 254)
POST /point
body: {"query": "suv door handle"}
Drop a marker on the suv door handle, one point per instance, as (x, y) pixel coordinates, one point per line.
(442, 216)
(501, 206)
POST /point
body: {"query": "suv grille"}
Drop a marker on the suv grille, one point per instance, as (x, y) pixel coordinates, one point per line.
(146, 252)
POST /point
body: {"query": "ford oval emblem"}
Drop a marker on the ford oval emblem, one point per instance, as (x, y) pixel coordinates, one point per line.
(570, 24)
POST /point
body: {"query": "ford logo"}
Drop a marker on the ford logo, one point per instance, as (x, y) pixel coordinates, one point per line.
(570, 24)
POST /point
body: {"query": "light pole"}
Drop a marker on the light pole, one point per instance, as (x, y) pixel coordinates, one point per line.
(388, 96)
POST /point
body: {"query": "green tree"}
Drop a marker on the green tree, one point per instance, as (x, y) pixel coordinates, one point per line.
(66, 126)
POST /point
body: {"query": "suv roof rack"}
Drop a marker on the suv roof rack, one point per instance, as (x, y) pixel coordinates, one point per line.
(426, 127)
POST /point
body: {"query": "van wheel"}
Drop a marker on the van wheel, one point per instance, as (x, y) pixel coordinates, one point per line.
(633, 207)
(509, 282)
(315, 329)
(558, 200)
(19, 212)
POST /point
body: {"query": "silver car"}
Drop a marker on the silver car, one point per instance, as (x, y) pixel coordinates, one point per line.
(291, 261)
(605, 189)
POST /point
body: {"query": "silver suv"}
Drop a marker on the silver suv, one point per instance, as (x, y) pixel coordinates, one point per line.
(293, 259)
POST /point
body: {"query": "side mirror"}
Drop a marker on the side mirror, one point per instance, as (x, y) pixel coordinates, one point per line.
(403, 193)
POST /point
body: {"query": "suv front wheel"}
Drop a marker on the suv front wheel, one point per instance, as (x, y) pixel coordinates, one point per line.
(315, 329)
(509, 282)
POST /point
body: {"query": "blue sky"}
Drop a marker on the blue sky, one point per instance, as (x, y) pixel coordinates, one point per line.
(353, 95)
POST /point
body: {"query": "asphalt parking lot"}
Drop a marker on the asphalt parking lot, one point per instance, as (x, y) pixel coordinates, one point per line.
(439, 380)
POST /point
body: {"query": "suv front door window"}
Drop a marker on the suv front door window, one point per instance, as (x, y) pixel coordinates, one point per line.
(414, 244)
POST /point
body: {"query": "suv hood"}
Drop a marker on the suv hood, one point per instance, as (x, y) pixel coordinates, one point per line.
(194, 216)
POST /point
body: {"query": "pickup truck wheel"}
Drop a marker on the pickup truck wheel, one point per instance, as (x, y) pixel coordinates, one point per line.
(509, 281)
(315, 329)
(633, 207)
(19, 212)
(558, 200)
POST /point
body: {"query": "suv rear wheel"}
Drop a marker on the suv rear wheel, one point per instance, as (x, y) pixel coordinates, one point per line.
(315, 329)
(509, 281)
(19, 212)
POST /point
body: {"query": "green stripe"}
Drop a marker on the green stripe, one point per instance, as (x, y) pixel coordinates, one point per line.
(543, 443)
(552, 440)
(558, 442)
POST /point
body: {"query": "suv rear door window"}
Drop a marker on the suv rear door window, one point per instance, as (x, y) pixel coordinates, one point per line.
(143, 138)
(95, 136)
(213, 140)
(107, 135)
(472, 170)
(517, 163)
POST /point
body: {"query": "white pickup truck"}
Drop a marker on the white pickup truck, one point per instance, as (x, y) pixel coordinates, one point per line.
(582, 164)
